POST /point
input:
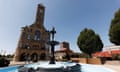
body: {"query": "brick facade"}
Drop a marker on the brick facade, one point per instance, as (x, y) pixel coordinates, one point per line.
(33, 39)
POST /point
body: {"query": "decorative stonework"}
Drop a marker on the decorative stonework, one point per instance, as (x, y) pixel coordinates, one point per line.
(33, 39)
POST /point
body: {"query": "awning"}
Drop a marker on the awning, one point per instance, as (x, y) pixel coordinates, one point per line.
(115, 51)
(102, 54)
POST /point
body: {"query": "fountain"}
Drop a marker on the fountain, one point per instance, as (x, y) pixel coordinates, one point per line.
(52, 66)
(52, 43)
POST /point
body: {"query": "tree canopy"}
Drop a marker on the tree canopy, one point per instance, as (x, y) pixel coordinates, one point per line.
(114, 32)
(89, 42)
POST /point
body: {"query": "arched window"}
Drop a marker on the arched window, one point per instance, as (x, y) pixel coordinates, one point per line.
(28, 37)
(37, 35)
(27, 45)
(34, 57)
(23, 57)
(43, 56)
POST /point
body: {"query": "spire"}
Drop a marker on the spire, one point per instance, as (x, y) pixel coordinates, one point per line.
(40, 14)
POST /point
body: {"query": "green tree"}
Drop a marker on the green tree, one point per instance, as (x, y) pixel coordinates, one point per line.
(89, 42)
(114, 32)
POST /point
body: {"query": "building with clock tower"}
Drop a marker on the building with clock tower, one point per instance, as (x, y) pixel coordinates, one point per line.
(33, 40)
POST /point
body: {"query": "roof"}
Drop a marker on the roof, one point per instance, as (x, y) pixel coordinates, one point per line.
(102, 54)
(106, 53)
(64, 50)
(115, 51)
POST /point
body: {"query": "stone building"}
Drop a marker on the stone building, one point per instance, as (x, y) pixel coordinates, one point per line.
(64, 51)
(33, 40)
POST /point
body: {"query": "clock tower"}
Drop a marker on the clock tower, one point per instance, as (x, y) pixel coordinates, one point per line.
(40, 14)
(33, 40)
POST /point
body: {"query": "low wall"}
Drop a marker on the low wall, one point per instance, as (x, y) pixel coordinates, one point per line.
(94, 61)
(79, 60)
(87, 60)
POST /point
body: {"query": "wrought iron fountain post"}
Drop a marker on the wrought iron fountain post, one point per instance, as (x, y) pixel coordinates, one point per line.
(52, 44)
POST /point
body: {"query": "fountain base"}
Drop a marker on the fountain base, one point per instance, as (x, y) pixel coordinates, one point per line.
(64, 67)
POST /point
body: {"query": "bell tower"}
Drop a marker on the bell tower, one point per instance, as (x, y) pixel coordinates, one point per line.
(33, 40)
(40, 14)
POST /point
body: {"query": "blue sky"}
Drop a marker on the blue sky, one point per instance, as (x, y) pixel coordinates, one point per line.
(69, 17)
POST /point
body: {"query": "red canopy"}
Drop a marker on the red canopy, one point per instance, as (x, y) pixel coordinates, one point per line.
(107, 54)
(115, 51)
(102, 54)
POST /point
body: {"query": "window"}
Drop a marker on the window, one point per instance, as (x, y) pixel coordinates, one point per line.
(30, 30)
(27, 45)
(20, 45)
(28, 37)
(46, 46)
(37, 35)
(23, 35)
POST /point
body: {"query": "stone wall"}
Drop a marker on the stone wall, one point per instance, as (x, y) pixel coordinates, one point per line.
(87, 60)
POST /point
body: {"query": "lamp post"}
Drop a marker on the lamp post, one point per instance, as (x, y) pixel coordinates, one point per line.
(52, 43)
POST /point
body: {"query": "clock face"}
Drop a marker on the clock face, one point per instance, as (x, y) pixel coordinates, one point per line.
(41, 11)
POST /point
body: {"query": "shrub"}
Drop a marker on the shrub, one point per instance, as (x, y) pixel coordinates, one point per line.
(4, 62)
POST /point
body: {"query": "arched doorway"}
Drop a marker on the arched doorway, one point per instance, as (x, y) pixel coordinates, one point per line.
(23, 57)
(34, 57)
(42, 56)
